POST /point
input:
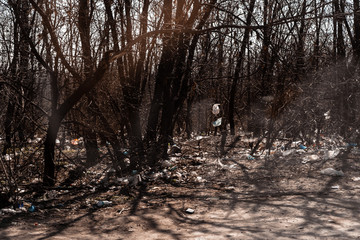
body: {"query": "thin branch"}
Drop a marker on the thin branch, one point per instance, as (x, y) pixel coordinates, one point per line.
(22, 95)
(55, 40)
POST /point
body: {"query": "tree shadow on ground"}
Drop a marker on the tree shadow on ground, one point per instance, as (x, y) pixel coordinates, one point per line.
(315, 212)
(246, 200)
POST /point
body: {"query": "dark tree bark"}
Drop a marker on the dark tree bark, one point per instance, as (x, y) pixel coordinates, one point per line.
(57, 117)
(162, 78)
(357, 30)
(239, 63)
(90, 136)
(176, 85)
(19, 75)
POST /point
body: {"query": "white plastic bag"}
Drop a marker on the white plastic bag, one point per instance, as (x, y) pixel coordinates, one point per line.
(216, 109)
(217, 123)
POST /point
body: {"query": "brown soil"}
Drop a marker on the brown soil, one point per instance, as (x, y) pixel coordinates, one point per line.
(232, 198)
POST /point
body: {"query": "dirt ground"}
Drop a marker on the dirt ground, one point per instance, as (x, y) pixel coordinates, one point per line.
(232, 197)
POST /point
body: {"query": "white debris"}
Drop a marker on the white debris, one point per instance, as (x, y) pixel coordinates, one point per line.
(198, 138)
(250, 140)
(300, 151)
(155, 176)
(174, 159)
(309, 158)
(327, 115)
(190, 210)
(268, 98)
(288, 152)
(200, 179)
(216, 109)
(330, 154)
(8, 210)
(123, 181)
(166, 163)
(104, 203)
(7, 157)
(332, 172)
(217, 123)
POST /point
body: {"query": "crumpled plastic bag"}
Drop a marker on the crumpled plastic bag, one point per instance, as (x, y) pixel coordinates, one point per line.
(216, 109)
(217, 123)
(332, 172)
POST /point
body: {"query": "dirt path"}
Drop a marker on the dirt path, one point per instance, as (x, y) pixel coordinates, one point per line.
(281, 198)
(224, 216)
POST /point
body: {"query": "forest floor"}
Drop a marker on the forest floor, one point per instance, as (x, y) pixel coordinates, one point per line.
(232, 197)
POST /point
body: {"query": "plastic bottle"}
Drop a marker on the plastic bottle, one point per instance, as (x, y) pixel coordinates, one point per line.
(32, 208)
(103, 203)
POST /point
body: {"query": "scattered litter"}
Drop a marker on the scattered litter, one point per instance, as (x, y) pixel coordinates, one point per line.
(268, 98)
(302, 147)
(173, 159)
(217, 123)
(332, 172)
(75, 141)
(330, 154)
(300, 151)
(213, 198)
(8, 210)
(134, 180)
(166, 164)
(250, 157)
(104, 203)
(155, 176)
(335, 187)
(198, 138)
(309, 158)
(288, 152)
(173, 168)
(327, 115)
(122, 210)
(50, 195)
(355, 179)
(351, 145)
(190, 210)
(123, 181)
(32, 208)
(230, 188)
(174, 149)
(314, 157)
(200, 179)
(249, 140)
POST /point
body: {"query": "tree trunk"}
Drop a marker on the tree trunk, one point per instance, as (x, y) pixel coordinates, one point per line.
(357, 30)
(161, 82)
(91, 146)
(238, 67)
(49, 150)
